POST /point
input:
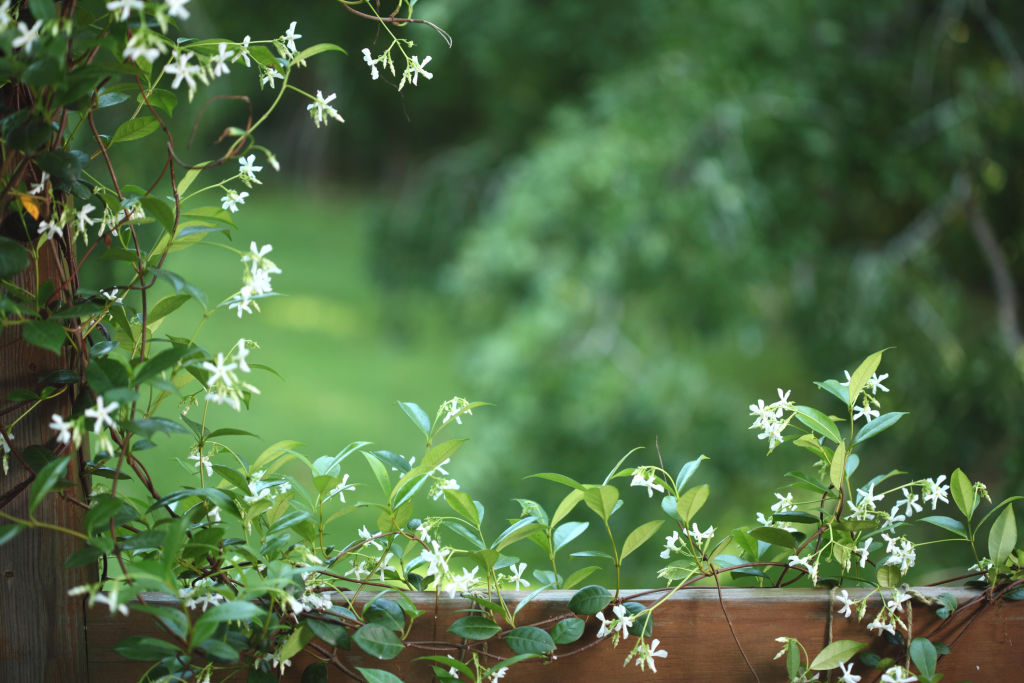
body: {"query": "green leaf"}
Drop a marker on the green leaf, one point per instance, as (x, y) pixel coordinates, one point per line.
(835, 388)
(145, 648)
(687, 471)
(836, 653)
(691, 502)
(13, 258)
(9, 531)
(159, 209)
(135, 129)
(160, 98)
(164, 360)
(378, 641)
(567, 630)
(378, 675)
(963, 493)
(862, 374)
(639, 536)
(46, 479)
(567, 505)
(529, 640)
(315, 673)
(558, 479)
(1002, 537)
(234, 610)
(642, 625)
(948, 523)
(924, 656)
(46, 334)
(888, 576)
(474, 628)
(565, 533)
(601, 499)
(837, 470)
(43, 9)
(774, 535)
(819, 422)
(590, 600)
(386, 613)
(218, 650)
(418, 417)
(578, 576)
(521, 529)
(331, 633)
(317, 49)
(299, 639)
(166, 306)
(463, 505)
(879, 424)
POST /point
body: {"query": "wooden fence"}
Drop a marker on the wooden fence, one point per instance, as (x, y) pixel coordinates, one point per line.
(985, 638)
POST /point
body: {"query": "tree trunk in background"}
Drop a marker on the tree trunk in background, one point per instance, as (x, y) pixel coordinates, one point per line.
(42, 629)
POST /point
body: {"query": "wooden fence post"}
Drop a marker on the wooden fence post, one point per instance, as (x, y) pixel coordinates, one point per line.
(42, 629)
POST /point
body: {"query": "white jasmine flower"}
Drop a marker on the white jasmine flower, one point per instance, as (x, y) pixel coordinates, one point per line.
(847, 382)
(648, 482)
(499, 674)
(436, 559)
(455, 407)
(935, 491)
(646, 653)
(321, 108)
(5, 15)
(897, 674)
(863, 552)
(865, 411)
(881, 626)
(414, 70)
(699, 535)
(27, 36)
(875, 383)
(83, 217)
(243, 52)
(623, 618)
(785, 503)
(606, 625)
(847, 602)
(232, 200)
(290, 36)
(202, 461)
(453, 672)
(101, 413)
(219, 372)
(462, 583)
(219, 62)
(895, 603)
(673, 543)
(517, 575)
(142, 44)
(910, 502)
(365, 534)
(66, 430)
(371, 62)
(248, 169)
(983, 565)
(270, 76)
(41, 185)
(176, 8)
(50, 229)
(183, 71)
(847, 674)
(125, 7)
(359, 571)
(341, 488)
(812, 568)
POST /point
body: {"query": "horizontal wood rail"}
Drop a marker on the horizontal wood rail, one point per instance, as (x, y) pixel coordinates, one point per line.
(985, 637)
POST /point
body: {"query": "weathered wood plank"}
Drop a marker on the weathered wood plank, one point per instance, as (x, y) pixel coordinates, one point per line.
(690, 626)
(42, 630)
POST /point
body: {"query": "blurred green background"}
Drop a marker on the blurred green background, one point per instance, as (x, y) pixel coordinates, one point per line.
(625, 222)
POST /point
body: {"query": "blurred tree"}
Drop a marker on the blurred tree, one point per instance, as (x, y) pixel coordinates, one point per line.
(659, 211)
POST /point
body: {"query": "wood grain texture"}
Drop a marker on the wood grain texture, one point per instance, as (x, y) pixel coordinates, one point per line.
(690, 626)
(42, 630)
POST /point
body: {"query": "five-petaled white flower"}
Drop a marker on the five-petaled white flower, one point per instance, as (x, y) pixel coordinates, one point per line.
(646, 653)
(270, 76)
(182, 70)
(219, 62)
(848, 676)
(499, 674)
(243, 52)
(102, 414)
(41, 185)
(321, 108)
(66, 430)
(219, 372)
(50, 229)
(248, 169)
(623, 618)
(125, 7)
(935, 491)
(176, 8)
(647, 482)
(414, 70)
(232, 200)
(27, 36)
(847, 602)
(865, 411)
(517, 575)
(897, 674)
(341, 488)
(875, 383)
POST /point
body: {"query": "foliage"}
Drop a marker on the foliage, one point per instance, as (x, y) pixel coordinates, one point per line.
(240, 558)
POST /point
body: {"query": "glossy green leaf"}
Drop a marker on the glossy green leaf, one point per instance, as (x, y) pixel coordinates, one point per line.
(135, 129)
(13, 258)
(565, 533)
(837, 470)
(879, 424)
(571, 500)
(46, 334)
(924, 656)
(378, 675)
(862, 374)
(888, 576)
(386, 613)
(773, 535)
(378, 641)
(418, 417)
(474, 627)
(315, 673)
(639, 536)
(529, 640)
(45, 481)
(687, 471)
(948, 523)
(567, 630)
(818, 422)
(462, 504)
(602, 500)
(963, 493)
(1002, 536)
(590, 600)
(836, 653)
(690, 503)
